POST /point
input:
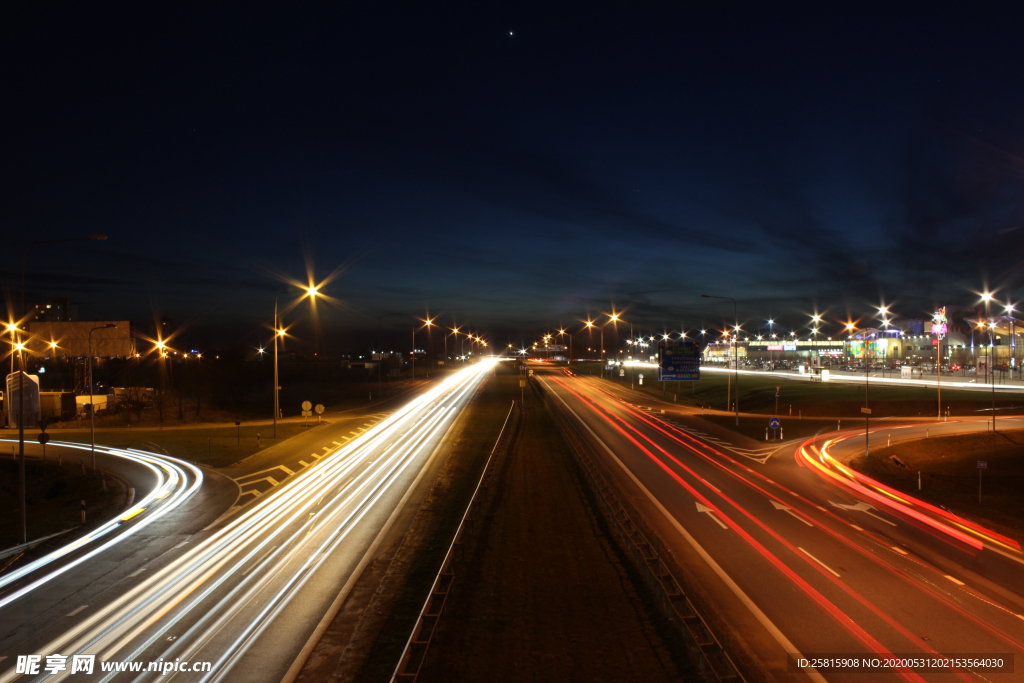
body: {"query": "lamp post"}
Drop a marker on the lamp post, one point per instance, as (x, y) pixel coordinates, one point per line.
(92, 406)
(736, 326)
(20, 348)
(987, 298)
(21, 364)
(311, 292)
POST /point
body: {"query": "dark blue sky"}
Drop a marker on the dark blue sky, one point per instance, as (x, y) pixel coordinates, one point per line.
(596, 155)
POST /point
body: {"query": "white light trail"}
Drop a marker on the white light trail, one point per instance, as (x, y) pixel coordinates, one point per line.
(213, 590)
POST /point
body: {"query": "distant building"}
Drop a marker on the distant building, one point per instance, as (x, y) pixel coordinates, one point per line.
(53, 311)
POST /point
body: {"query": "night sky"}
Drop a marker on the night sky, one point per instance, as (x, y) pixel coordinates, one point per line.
(510, 166)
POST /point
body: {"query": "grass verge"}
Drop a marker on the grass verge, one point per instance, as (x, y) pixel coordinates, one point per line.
(949, 475)
(54, 498)
(213, 446)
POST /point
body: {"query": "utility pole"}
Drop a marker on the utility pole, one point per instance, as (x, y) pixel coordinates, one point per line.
(92, 407)
(867, 410)
(736, 330)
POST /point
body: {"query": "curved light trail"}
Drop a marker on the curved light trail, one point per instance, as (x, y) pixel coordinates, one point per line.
(176, 481)
(218, 597)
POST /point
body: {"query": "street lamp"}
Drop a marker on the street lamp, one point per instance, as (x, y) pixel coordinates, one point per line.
(21, 363)
(987, 298)
(311, 292)
(92, 407)
(736, 324)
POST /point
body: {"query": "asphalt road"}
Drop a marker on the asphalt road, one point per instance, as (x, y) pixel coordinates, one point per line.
(797, 553)
(245, 591)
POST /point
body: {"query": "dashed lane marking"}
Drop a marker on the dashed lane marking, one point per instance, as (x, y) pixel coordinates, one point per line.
(136, 572)
(956, 581)
(830, 570)
(273, 482)
(73, 613)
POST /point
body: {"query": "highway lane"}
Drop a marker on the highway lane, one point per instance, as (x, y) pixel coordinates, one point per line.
(789, 569)
(247, 593)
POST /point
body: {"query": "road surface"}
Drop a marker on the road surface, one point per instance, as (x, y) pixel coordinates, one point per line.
(799, 556)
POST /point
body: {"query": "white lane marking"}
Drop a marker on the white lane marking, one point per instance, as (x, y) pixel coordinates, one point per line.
(270, 469)
(304, 463)
(956, 581)
(74, 612)
(901, 551)
(779, 506)
(856, 527)
(862, 507)
(136, 572)
(711, 514)
(761, 617)
(834, 573)
(273, 482)
(336, 444)
(180, 545)
(709, 484)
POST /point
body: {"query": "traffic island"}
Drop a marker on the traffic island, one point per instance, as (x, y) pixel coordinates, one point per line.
(950, 475)
(54, 494)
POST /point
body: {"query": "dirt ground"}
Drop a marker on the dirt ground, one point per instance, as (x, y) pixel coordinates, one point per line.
(544, 594)
(949, 475)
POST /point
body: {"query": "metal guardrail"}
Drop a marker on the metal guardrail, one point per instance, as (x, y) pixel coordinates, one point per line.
(415, 652)
(713, 661)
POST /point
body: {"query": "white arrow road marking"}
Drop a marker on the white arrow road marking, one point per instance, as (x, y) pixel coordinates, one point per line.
(711, 514)
(834, 573)
(779, 506)
(862, 507)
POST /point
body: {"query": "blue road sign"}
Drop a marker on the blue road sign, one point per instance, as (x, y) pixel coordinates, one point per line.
(775, 423)
(678, 361)
(983, 464)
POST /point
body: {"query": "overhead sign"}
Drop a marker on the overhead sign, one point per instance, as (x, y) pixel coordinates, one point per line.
(678, 360)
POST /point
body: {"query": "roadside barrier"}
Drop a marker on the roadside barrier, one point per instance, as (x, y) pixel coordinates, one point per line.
(712, 660)
(423, 633)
